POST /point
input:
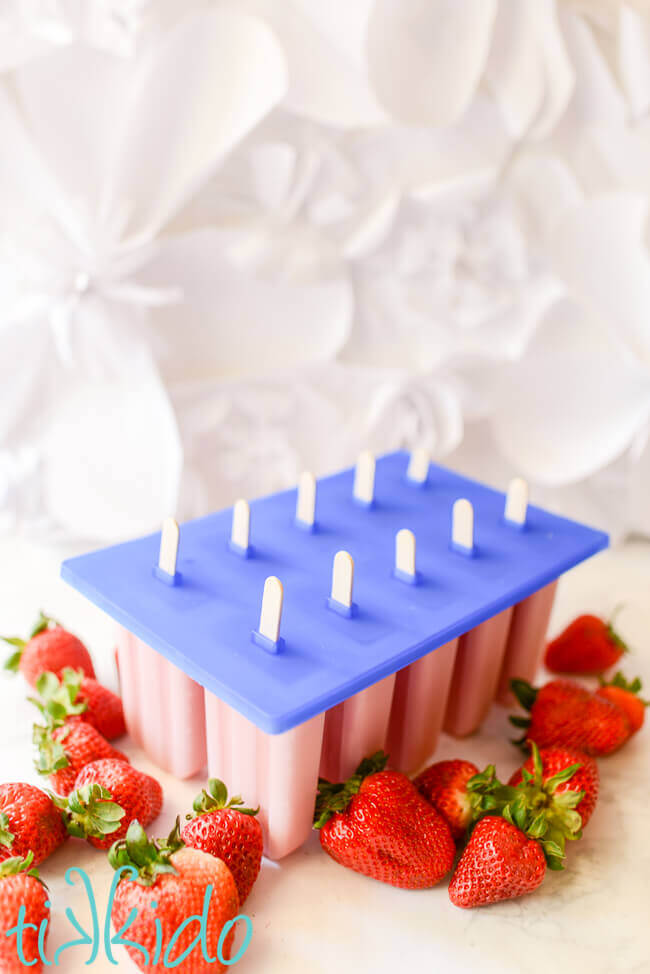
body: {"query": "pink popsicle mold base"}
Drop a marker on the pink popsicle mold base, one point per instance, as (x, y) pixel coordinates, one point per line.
(234, 661)
(183, 727)
(163, 708)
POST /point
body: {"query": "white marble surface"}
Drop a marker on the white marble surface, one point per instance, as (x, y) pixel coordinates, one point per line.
(309, 914)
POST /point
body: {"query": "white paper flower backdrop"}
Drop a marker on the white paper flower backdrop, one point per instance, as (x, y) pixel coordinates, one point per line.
(242, 238)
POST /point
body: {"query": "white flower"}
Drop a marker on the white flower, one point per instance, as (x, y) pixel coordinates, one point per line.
(105, 291)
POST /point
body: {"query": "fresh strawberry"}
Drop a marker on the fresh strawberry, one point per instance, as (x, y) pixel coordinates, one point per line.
(177, 880)
(108, 795)
(29, 822)
(553, 775)
(21, 890)
(63, 751)
(75, 697)
(228, 831)
(49, 649)
(499, 863)
(379, 824)
(625, 694)
(564, 714)
(444, 785)
(588, 645)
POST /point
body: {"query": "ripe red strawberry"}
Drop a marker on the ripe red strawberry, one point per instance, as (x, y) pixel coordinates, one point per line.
(444, 785)
(565, 714)
(228, 831)
(587, 645)
(499, 863)
(63, 751)
(108, 795)
(49, 649)
(29, 822)
(556, 771)
(175, 879)
(379, 824)
(625, 695)
(75, 697)
(21, 887)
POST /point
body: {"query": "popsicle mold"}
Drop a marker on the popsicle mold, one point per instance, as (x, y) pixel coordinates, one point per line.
(278, 772)
(525, 640)
(163, 708)
(419, 705)
(476, 674)
(299, 634)
(356, 727)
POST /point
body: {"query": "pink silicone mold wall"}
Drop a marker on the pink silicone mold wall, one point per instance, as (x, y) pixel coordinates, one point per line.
(183, 728)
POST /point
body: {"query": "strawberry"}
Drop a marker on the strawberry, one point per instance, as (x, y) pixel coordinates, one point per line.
(21, 890)
(625, 695)
(29, 822)
(108, 795)
(228, 831)
(587, 645)
(75, 697)
(499, 863)
(564, 714)
(50, 648)
(444, 785)
(379, 824)
(553, 775)
(63, 751)
(169, 884)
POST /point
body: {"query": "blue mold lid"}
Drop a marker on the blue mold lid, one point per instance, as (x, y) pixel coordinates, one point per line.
(204, 624)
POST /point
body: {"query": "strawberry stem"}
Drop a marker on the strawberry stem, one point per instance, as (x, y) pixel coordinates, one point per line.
(17, 865)
(149, 857)
(12, 663)
(622, 683)
(42, 623)
(535, 807)
(89, 812)
(6, 837)
(335, 797)
(50, 753)
(59, 697)
(525, 693)
(216, 797)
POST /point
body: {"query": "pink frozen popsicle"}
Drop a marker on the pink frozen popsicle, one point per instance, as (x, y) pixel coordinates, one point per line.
(476, 674)
(419, 705)
(163, 708)
(525, 640)
(278, 772)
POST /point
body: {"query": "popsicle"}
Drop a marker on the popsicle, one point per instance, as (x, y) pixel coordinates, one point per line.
(293, 635)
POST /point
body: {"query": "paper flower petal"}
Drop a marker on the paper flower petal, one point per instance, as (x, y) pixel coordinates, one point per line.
(634, 58)
(599, 251)
(112, 459)
(73, 100)
(528, 68)
(247, 317)
(217, 73)
(596, 96)
(572, 404)
(426, 57)
(325, 49)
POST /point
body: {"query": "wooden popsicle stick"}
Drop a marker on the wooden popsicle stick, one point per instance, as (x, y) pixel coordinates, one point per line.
(405, 554)
(306, 502)
(462, 526)
(418, 468)
(169, 539)
(516, 502)
(271, 613)
(364, 479)
(241, 526)
(342, 579)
